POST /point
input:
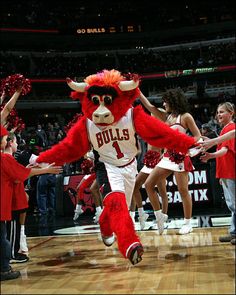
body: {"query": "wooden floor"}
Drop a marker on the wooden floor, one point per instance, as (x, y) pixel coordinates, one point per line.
(172, 264)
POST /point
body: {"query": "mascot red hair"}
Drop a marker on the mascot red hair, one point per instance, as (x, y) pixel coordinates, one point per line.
(109, 127)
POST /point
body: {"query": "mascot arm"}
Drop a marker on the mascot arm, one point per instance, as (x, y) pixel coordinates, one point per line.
(73, 147)
(159, 134)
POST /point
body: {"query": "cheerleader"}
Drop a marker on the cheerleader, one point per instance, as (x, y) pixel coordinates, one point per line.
(177, 117)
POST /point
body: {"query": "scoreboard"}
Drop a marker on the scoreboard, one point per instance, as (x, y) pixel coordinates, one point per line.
(110, 29)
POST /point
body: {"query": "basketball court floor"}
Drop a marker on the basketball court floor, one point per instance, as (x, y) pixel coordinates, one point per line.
(68, 257)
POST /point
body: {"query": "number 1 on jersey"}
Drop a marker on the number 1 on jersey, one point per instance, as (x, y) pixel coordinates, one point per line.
(119, 154)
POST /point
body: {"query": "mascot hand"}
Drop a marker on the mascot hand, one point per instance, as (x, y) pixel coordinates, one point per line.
(43, 165)
(33, 159)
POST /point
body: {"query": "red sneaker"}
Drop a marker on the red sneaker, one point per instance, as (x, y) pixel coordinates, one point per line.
(135, 253)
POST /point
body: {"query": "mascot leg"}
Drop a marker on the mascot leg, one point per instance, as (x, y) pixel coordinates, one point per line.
(105, 228)
(122, 225)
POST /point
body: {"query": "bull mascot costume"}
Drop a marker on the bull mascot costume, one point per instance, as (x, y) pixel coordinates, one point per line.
(109, 126)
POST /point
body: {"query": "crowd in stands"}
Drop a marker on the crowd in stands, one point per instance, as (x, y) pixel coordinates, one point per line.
(151, 15)
(51, 64)
(42, 136)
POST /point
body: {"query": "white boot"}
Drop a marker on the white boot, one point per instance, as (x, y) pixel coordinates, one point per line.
(161, 219)
(23, 244)
(97, 214)
(132, 215)
(142, 220)
(186, 227)
(143, 216)
(78, 211)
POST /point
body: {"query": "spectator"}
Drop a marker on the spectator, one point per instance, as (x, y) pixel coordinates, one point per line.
(46, 197)
(41, 136)
(225, 164)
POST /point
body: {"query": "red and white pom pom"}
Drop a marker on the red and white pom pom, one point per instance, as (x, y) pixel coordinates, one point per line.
(13, 120)
(2, 85)
(151, 159)
(20, 125)
(14, 82)
(175, 156)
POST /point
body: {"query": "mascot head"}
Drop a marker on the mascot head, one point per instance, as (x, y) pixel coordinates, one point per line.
(106, 96)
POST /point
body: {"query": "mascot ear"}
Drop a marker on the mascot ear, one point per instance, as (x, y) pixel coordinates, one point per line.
(128, 85)
(79, 87)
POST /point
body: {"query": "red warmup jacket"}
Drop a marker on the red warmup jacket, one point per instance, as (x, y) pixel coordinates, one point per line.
(11, 172)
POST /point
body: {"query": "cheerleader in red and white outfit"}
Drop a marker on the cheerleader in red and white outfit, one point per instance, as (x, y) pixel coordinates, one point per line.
(150, 160)
(177, 117)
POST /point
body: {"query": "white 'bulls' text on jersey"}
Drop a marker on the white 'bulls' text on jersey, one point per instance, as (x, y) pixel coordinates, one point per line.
(116, 144)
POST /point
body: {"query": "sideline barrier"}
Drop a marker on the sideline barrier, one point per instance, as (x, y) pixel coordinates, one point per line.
(204, 189)
(67, 195)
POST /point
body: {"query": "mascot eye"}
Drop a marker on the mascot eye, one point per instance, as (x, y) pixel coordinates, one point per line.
(95, 99)
(107, 99)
